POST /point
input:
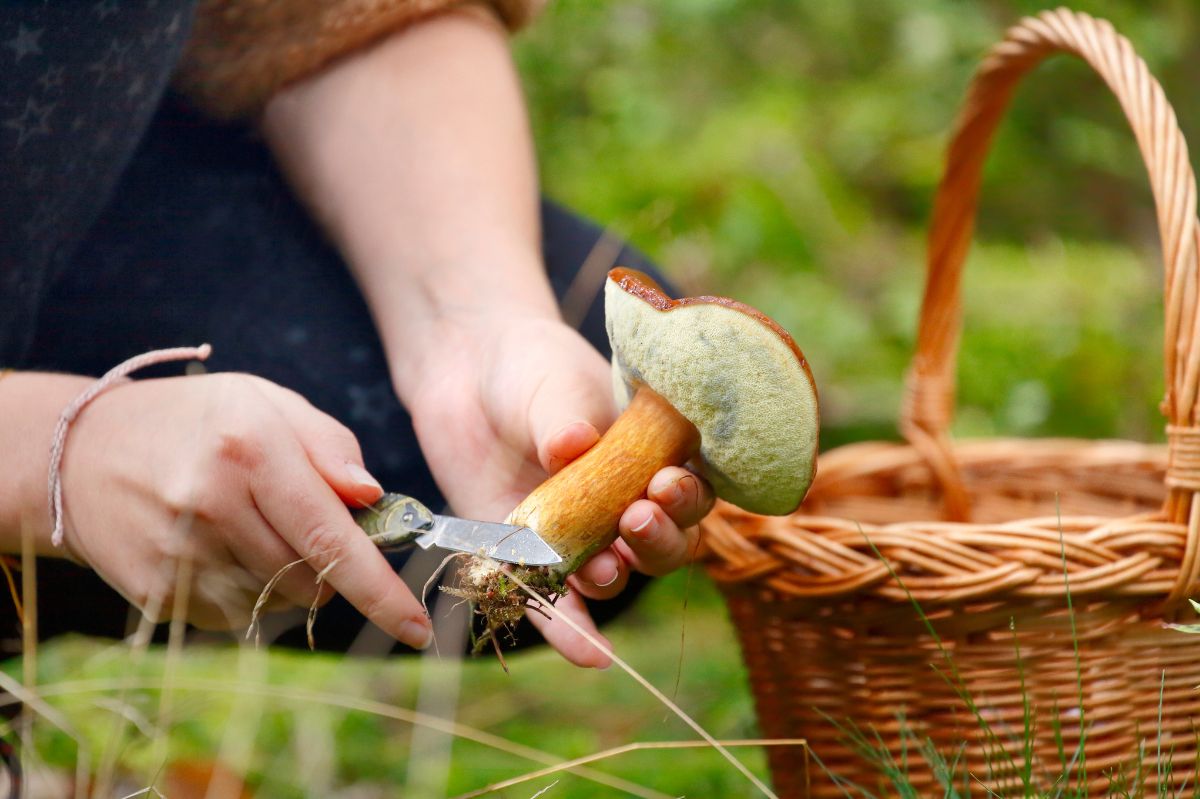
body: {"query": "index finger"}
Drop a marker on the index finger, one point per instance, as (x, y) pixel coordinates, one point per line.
(305, 512)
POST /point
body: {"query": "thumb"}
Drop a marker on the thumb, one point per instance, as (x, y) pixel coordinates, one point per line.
(567, 413)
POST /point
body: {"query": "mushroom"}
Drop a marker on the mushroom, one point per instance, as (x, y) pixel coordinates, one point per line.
(705, 380)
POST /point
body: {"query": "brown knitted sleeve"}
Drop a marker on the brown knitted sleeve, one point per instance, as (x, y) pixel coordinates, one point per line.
(243, 51)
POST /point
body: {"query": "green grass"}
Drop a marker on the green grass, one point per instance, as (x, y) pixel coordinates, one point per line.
(304, 745)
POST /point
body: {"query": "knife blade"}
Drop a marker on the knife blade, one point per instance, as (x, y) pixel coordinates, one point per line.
(397, 521)
(506, 542)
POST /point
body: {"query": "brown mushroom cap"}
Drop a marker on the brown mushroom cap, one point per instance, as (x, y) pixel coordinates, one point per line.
(733, 373)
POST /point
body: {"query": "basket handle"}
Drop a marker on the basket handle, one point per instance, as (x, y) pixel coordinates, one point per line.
(929, 400)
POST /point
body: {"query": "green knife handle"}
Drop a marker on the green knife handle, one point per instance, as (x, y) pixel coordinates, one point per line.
(394, 521)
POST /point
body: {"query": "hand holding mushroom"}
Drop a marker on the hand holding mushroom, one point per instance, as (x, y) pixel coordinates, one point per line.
(707, 381)
(504, 400)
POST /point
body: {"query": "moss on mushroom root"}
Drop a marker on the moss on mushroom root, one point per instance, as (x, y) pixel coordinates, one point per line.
(498, 599)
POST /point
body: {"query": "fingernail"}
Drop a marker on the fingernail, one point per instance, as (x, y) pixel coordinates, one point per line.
(675, 493)
(416, 632)
(646, 529)
(575, 423)
(615, 574)
(680, 490)
(361, 476)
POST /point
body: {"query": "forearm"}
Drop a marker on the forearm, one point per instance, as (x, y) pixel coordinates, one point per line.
(416, 157)
(30, 404)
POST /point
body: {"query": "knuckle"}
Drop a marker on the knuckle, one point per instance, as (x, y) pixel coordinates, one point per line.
(320, 543)
(181, 498)
(374, 601)
(340, 439)
(240, 448)
(197, 497)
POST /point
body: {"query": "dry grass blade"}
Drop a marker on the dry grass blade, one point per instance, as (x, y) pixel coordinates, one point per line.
(589, 280)
(254, 629)
(623, 749)
(6, 566)
(311, 621)
(150, 791)
(242, 724)
(175, 642)
(373, 707)
(433, 578)
(558, 615)
(544, 790)
(35, 704)
(439, 681)
(139, 645)
(29, 639)
(146, 728)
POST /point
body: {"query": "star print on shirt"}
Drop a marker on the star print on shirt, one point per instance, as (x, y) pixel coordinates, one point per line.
(51, 79)
(33, 121)
(111, 63)
(105, 8)
(26, 42)
(372, 404)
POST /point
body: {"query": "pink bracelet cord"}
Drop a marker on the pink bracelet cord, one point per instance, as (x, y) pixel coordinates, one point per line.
(69, 413)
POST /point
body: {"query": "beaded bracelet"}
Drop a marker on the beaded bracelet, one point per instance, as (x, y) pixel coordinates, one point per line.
(69, 413)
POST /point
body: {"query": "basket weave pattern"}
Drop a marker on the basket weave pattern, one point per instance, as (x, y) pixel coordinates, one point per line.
(981, 533)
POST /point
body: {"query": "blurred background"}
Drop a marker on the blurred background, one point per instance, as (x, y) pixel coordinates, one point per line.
(785, 153)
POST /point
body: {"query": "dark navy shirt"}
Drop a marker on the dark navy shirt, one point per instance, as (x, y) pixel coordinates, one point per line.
(79, 83)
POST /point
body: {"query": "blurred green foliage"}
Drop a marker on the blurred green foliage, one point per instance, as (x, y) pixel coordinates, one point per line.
(786, 153)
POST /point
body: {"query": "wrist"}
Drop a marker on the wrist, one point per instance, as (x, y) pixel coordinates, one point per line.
(458, 347)
(448, 311)
(30, 404)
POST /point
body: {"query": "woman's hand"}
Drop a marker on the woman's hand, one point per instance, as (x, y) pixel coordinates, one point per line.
(498, 405)
(240, 477)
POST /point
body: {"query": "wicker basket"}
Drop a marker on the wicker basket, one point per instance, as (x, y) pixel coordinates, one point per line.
(974, 530)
